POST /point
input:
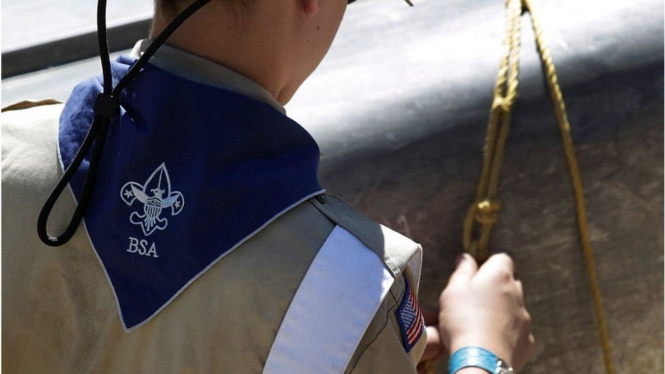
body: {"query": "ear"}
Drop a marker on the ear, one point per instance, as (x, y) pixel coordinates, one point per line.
(310, 7)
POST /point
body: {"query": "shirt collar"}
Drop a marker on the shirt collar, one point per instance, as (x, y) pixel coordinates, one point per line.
(203, 71)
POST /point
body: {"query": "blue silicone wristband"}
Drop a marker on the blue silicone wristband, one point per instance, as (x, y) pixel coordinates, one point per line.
(472, 357)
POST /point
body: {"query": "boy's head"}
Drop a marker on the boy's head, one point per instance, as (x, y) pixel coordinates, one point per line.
(277, 43)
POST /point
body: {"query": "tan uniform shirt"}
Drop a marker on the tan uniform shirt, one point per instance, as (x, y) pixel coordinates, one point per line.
(59, 314)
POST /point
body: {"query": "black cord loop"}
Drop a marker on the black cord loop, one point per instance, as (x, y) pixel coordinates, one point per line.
(106, 107)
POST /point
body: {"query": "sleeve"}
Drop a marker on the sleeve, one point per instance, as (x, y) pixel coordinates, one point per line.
(385, 346)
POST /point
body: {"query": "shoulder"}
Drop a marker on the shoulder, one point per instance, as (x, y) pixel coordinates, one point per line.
(386, 346)
(30, 120)
(29, 145)
(27, 104)
(401, 254)
(356, 280)
(28, 124)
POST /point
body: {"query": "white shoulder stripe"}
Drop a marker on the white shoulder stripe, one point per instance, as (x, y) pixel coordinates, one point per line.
(330, 312)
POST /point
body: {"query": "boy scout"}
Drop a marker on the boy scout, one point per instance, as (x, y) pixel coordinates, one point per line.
(222, 252)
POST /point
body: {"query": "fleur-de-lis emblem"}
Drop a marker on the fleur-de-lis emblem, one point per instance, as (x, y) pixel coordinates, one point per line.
(156, 195)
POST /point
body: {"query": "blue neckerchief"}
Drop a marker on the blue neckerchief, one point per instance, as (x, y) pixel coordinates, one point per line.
(188, 173)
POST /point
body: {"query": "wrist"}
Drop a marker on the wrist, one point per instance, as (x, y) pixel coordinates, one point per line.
(481, 359)
(478, 340)
(471, 370)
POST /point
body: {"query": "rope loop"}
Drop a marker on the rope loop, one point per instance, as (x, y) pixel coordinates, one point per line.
(487, 212)
(502, 104)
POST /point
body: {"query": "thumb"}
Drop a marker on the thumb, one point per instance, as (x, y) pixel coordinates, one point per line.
(466, 269)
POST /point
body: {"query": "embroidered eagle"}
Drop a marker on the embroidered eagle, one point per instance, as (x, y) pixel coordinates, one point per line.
(155, 195)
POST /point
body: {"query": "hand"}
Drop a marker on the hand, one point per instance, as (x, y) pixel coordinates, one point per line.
(434, 349)
(485, 308)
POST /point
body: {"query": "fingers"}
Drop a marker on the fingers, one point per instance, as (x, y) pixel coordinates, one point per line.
(466, 269)
(526, 352)
(526, 347)
(434, 348)
(498, 265)
(520, 292)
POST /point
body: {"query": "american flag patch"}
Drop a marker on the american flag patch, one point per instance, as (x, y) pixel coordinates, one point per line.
(410, 318)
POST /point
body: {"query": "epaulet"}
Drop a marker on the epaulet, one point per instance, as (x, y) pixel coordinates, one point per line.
(396, 250)
(27, 104)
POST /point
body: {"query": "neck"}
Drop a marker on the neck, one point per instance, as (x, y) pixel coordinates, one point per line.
(250, 44)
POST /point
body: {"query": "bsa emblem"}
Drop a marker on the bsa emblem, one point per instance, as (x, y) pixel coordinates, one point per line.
(155, 195)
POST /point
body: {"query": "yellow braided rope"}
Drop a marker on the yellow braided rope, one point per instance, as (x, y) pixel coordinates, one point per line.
(485, 209)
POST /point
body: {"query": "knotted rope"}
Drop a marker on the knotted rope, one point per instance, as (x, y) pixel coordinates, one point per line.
(485, 210)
